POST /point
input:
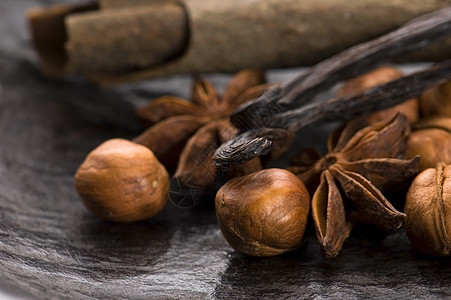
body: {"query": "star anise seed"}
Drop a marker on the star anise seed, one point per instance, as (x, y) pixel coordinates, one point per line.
(347, 183)
(186, 133)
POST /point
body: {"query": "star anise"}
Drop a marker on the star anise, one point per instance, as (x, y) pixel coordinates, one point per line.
(187, 133)
(348, 181)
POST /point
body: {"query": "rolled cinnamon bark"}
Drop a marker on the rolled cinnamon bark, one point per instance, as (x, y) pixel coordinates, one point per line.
(49, 35)
(87, 39)
(111, 4)
(114, 43)
(126, 39)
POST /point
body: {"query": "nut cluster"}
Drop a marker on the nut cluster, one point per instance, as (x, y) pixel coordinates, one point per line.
(265, 213)
(428, 205)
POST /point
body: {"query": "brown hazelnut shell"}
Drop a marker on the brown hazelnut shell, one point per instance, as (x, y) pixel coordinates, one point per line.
(436, 101)
(263, 213)
(428, 211)
(431, 139)
(122, 181)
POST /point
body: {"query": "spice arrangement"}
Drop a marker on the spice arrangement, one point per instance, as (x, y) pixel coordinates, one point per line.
(356, 168)
(256, 136)
(264, 212)
(200, 126)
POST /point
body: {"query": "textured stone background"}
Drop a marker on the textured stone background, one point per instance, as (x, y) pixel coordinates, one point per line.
(50, 247)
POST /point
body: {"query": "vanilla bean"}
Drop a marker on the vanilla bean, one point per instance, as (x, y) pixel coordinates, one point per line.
(258, 141)
(374, 99)
(263, 119)
(246, 146)
(357, 60)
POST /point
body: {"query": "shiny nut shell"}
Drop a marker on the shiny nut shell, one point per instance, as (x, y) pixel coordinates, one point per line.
(263, 213)
(428, 210)
(431, 139)
(122, 181)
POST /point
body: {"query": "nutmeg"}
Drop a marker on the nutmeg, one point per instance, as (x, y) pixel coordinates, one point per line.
(428, 211)
(122, 181)
(431, 139)
(263, 213)
(436, 101)
(377, 77)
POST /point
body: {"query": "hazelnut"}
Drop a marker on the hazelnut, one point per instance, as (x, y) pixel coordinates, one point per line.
(263, 213)
(122, 181)
(377, 77)
(428, 210)
(431, 139)
(436, 100)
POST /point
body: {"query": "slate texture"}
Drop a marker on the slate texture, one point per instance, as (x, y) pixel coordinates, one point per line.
(51, 247)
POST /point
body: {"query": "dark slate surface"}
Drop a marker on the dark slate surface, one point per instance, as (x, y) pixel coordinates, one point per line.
(50, 247)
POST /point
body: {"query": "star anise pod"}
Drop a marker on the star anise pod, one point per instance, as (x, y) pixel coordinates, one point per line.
(187, 133)
(347, 182)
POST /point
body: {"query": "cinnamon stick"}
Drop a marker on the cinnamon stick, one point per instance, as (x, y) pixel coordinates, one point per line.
(226, 36)
(49, 35)
(114, 4)
(136, 38)
(422, 31)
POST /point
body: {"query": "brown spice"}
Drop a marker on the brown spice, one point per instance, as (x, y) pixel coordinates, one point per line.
(192, 130)
(431, 140)
(347, 182)
(256, 138)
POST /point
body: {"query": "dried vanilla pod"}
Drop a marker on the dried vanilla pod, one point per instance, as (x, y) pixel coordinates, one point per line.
(377, 77)
(350, 63)
(347, 182)
(428, 210)
(92, 41)
(431, 140)
(259, 140)
(256, 138)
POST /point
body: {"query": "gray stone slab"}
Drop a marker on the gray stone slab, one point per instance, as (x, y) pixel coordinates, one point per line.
(51, 247)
